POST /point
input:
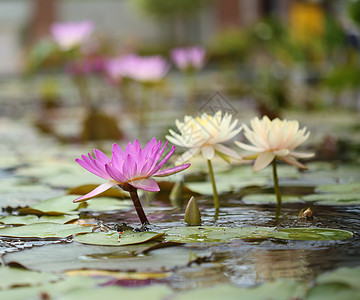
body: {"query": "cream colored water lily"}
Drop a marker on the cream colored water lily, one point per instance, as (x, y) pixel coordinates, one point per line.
(272, 139)
(205, 134)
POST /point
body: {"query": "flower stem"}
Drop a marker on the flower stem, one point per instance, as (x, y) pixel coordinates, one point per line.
(212, 179)
(138, 207)
(276, 183)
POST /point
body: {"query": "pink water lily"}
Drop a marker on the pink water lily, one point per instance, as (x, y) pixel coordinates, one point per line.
(190, 58)
(69, 35)
(130, 169)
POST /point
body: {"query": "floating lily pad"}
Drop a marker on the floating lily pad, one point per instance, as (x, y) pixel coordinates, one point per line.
(112, 238)
(268, 199)
(64, 257)
(346, 276)
(312, 234)
(279, 290)
(223, 186)
(53, 206)
(334, 199)
(11, 277)
(44, 230)
(52, 290)
(107, 204)
(210, 234)
(16, 192)
(340, 188)
(113, 192)
(29, 219)
(154, 292)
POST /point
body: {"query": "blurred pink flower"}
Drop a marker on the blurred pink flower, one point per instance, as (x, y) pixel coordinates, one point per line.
(119, 67)
(191, 58)
(130, 169)
(71, 34)
(143, 69)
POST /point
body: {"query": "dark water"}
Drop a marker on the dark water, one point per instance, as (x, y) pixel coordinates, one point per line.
(249, 262)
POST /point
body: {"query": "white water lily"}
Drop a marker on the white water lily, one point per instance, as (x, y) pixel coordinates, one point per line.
(205, 134)
(273, 139)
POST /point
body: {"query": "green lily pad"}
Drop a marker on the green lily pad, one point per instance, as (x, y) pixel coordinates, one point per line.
(334, 199)
(332, 291)
(279, 290)
(154, 292)
(51, 289)
(29, 219)
(112, 238)
(223, 186)
(87, 188)
(44, 230)
(268, 199)
(312, 234)
(11, 277)
(53, 206)
(107, 204)
(16, 192)
(339, 188)
(63, 257)
(211, 234)
(346, 276)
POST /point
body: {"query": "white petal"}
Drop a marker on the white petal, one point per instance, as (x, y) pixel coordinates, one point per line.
(292, 161)
(247, 147)
(263, 160)
(301, 154)
(187, 155)
(282, 152)
(208, 151)
(227, 151)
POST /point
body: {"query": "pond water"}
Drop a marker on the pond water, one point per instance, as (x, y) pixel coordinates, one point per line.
(36, 167)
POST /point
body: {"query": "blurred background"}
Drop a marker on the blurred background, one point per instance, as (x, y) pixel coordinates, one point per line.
(263, 56)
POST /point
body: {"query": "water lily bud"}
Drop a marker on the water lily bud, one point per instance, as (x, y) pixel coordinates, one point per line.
(177, 196)
(192, 213)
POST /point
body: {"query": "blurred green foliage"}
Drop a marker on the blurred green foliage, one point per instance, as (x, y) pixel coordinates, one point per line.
(353, 11)
(167, 9)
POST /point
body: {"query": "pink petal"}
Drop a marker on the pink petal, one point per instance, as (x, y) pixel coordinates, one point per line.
(101, 188)
(158, 167)
(149, 145)
(87, 164)
(171, 171)
(263, 160)
(147, 184)
(101, 157)
(118, 150)
(115, 174)
(129, 167)
(117, 161)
